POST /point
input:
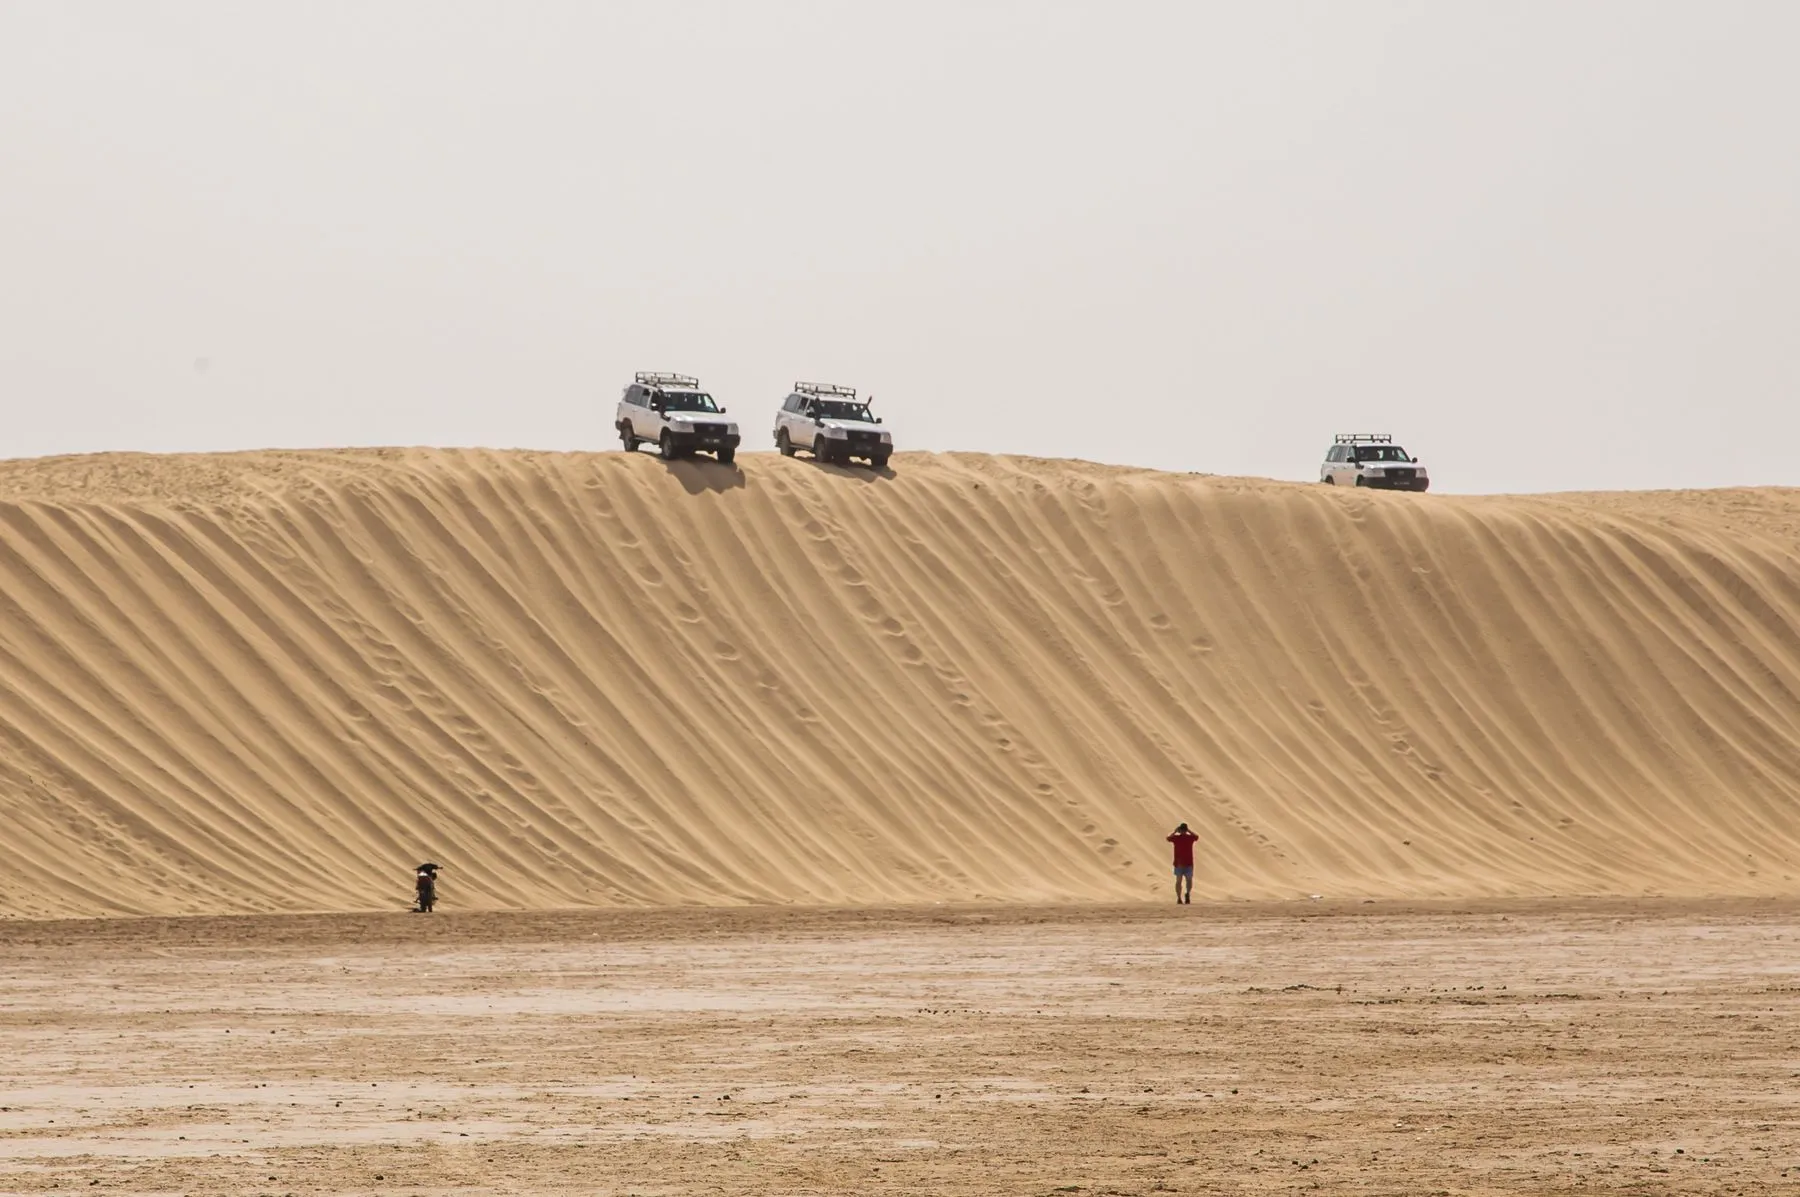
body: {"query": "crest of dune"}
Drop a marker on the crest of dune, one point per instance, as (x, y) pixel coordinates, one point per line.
(278, 680)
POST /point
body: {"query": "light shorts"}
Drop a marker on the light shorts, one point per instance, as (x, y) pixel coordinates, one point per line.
(1185, 871)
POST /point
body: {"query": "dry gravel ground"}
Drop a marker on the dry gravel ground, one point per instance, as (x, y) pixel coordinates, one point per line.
(1593, 1047)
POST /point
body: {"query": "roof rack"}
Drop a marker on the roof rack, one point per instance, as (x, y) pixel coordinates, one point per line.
(824, 388)
(1364, 438)
(651, 378)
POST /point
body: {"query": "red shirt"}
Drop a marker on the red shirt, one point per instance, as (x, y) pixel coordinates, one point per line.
(1184, 848)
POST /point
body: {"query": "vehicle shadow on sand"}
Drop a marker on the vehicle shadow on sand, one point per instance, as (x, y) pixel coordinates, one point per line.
(698, 475)
(860, 473)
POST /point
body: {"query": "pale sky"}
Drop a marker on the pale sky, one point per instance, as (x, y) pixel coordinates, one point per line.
(1548, 245)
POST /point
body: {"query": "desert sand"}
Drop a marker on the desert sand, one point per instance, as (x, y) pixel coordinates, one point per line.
(1593, 1047)
(803, 831)
(274, 681)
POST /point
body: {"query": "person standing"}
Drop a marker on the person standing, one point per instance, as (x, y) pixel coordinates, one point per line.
(1183, 839)
(425, 885)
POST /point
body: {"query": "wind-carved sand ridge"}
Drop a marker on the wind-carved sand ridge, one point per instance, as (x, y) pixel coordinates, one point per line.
(277, 680)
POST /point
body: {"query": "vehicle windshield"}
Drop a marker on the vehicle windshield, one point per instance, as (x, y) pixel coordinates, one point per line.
(688, 401)
(842, 409)
(1381, 453)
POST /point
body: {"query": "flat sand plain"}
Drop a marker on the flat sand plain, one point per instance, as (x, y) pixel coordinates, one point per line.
(1502, 1047)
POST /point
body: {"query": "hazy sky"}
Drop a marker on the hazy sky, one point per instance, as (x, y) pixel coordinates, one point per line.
(1550, 245)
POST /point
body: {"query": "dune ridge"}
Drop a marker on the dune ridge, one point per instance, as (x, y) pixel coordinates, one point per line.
(263, 681)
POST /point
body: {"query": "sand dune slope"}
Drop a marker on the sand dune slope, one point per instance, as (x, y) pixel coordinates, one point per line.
(279, 679)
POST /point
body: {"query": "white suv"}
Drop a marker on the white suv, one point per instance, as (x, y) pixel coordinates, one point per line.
(671, 412)
(1372, 459)
(830, 423)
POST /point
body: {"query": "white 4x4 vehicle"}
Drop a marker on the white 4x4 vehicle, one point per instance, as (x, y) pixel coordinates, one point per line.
(828, 422)
(671, 412)
(1372, 459)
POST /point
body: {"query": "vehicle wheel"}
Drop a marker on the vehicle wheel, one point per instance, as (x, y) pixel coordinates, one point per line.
(1359, 482)
(879, 461)
(727, 456)
(628, 438)
(1330, 481)
(666, 445)
(784, 443)
(822, 450)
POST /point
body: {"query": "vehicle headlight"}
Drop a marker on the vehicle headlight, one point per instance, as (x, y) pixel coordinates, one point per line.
(887, 438)
(836, 432)
(731, 428)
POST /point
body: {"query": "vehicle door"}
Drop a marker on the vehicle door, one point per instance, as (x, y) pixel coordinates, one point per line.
(806, 434)
(622, 413)
(654, 421)
(635, 410)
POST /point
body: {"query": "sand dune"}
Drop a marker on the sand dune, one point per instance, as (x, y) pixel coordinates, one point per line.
(255, 681)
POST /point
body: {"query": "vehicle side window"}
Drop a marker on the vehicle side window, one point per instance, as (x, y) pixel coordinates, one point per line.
(792, 404)
(1336, 454)
(635, 396)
